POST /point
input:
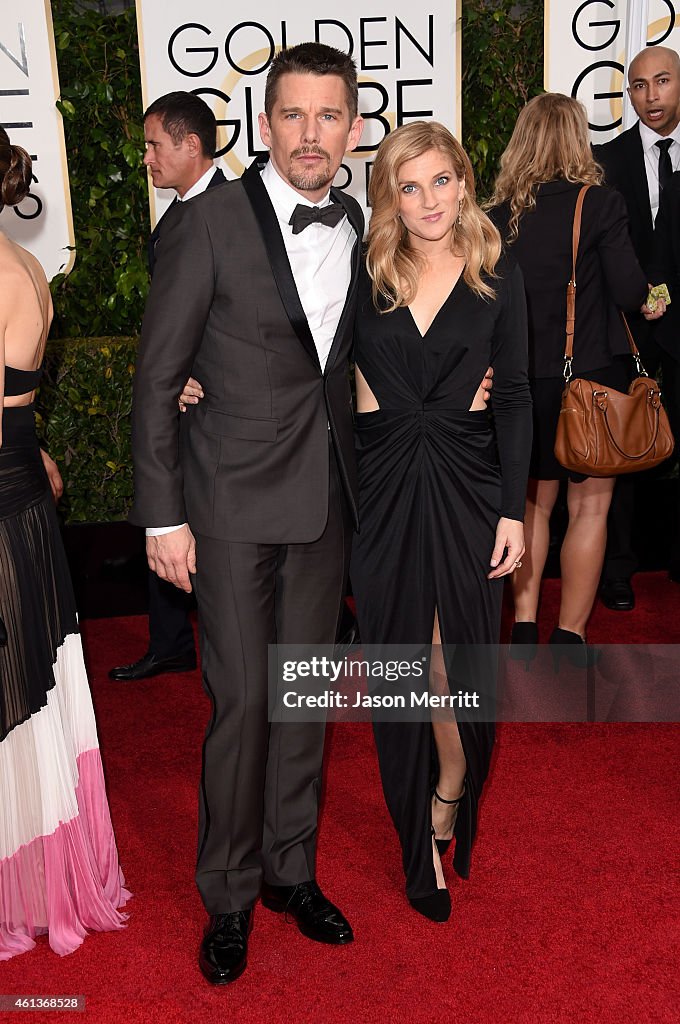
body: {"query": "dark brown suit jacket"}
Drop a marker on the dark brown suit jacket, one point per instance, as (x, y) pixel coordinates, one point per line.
(217, 179)
(252, 462)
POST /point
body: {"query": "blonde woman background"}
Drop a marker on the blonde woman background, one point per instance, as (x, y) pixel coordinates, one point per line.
(546, 162)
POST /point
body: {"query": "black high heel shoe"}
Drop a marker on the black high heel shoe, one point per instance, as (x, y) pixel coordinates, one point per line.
(523, 642)
(443, 844)
(574, 648)
(436, 906)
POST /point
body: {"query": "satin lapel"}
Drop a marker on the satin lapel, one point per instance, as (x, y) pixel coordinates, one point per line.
(638, 177)
(278, 259)
(355, 217)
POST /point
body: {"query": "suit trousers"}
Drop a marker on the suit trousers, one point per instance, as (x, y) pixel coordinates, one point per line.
(170, 630)
(260, 782)
(621, 560)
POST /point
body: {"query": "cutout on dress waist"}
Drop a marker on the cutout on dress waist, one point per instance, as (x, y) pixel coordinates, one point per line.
(365, 396)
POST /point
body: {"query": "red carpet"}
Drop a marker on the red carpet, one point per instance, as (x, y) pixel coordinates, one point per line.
(571, 914)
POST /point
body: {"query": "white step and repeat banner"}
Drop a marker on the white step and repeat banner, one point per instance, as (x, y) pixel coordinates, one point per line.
(408, 59)
(585, 53)
(29, 89)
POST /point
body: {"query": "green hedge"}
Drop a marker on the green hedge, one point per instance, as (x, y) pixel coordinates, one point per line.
(84, 405)
(101, 104)
(502, 68)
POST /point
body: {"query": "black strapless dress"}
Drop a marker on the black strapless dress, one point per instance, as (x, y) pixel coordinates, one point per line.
(434, 478)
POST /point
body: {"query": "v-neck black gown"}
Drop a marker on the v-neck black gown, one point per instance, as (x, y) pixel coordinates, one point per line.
(434, 478)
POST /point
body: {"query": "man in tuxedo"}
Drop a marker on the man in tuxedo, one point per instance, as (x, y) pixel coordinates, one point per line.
(254, 294)
(665, 266)
(639, 163)
(180, 134)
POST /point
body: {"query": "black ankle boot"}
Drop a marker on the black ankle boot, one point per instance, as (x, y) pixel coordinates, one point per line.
(524, 642)
(574, 648)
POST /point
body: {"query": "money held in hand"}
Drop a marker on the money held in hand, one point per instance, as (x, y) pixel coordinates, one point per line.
(659, 291)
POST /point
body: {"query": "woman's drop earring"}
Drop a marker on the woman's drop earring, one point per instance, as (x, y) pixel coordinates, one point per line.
(459, 219)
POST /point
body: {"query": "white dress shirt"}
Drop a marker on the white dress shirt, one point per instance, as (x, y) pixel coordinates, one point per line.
(649, 144)
(198, 186)
(320, 258)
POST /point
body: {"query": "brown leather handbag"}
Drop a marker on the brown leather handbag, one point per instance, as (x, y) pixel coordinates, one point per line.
(600, 431)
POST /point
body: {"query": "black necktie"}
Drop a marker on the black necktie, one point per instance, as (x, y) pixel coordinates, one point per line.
(303, 216)
(665, 165)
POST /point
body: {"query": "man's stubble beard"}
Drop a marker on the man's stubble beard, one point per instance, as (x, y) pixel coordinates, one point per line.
(310, 180)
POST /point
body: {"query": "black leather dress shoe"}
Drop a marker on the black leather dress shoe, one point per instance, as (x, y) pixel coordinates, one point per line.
(152, 665)
(618, 595)
(314, 915)
(224, 949)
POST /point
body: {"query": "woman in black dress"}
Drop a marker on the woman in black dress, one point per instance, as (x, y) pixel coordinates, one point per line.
(441, 498)
(547, 161)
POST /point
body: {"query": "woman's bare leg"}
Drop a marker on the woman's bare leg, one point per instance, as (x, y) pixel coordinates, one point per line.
(582, 554)
(450, 784)
(526, 581)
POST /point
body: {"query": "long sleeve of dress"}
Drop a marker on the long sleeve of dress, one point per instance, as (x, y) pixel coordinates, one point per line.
(625, 280)
(510, 396)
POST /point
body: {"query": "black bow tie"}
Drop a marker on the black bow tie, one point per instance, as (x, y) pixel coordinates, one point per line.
(303, 216)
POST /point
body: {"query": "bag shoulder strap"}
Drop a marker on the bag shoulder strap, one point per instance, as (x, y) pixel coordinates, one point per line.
(571, 287)
(571, 292)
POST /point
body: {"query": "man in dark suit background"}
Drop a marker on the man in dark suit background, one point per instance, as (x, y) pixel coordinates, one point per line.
(639, 163)
(665, 265)
(254, 295)
(180, 134)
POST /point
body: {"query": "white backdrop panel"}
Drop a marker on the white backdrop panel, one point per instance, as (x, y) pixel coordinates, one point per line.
(29, 89)
(585, 53)
(408, 59)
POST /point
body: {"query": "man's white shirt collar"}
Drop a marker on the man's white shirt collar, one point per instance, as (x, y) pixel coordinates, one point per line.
(198, 186)
(650, 138)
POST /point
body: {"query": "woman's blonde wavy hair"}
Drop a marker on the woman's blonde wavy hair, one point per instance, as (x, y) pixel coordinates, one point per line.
(549, 142)
(394, 267)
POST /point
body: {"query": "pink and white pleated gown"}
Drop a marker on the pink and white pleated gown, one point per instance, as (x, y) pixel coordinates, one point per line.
(59, 871)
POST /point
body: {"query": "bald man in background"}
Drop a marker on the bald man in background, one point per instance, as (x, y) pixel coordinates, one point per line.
(639, 163)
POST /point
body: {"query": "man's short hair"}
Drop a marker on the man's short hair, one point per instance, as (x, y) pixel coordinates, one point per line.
(184, 113)
(312, 59)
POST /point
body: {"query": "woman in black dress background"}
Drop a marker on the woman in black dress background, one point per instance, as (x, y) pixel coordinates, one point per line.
(547, 161)
(441, 498)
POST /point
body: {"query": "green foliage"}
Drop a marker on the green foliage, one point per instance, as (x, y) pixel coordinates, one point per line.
(502, 68)
(102, 109)
(84, 405)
